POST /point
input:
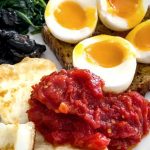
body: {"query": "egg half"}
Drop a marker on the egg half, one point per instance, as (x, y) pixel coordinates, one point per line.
(121, 15)
(71, 20)
(111, 58)
(140, 38)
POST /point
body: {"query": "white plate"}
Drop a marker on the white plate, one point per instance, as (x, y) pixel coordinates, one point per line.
(48, 54)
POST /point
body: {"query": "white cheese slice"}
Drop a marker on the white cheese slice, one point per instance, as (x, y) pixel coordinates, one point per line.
(17, 136)
(16, 85)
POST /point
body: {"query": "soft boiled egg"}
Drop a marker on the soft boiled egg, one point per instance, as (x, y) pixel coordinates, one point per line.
(71, 20)
(121, 15)
(140, 38)
(112, 58)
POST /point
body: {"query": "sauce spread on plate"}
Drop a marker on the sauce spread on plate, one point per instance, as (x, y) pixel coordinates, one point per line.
(69, 107)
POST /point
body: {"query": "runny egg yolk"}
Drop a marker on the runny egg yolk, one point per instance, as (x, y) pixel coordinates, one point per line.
(131, 10)
(71, 15)
(106, 54)
(142, 38)
(124, 8)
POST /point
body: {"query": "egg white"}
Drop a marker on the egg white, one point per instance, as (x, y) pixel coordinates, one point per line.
(142, 55)
(65, 34)
(117, 79)
(115, 22)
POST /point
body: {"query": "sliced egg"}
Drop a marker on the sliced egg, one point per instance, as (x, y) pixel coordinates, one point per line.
(111, 58)
(140, 38)
(71, 20)
(121, 15)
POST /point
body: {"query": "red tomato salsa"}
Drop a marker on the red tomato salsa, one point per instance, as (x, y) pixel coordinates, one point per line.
(70, 107)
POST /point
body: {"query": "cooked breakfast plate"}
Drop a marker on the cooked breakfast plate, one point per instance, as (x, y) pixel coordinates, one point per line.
(94, 94)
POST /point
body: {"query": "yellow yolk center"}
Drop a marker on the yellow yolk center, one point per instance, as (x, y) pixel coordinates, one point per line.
(70, 15)
(124, 8)
(106, 54)
(142, 38)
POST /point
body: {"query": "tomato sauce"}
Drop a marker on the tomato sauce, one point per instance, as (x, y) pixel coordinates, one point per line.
(70, 107)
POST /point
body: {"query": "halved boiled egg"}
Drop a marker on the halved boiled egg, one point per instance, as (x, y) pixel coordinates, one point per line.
(111, 58)
(140, 38)
(121, 15)
(71, 20)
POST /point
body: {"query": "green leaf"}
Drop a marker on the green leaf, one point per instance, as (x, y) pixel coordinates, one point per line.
(31, 11)
(26, 19)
